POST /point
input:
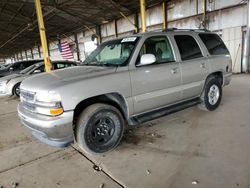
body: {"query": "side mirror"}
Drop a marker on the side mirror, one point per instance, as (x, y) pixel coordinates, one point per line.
(11, 69)
(147, 59)
(37, 71)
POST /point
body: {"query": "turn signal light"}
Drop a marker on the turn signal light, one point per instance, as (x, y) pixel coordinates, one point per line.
(56, 112)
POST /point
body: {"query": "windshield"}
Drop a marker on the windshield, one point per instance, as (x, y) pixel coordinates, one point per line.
(30, 68)
(113, 53)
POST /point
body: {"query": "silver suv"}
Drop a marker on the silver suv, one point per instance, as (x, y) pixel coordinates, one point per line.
(127, 80)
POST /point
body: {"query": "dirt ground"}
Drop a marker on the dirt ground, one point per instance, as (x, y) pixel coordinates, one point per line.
(190, 148)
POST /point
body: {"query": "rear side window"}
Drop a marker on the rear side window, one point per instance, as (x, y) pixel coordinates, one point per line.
(214, 44)
(188, 47)
(26, 64)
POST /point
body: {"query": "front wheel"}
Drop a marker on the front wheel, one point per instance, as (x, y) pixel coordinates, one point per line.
(212, 93)
(16, 90)
(99, 128)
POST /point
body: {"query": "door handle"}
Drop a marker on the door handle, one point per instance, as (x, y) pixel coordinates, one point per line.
(174, 70)
(203, 65)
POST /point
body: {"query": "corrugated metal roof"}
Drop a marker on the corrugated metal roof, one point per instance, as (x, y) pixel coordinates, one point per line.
(60, 17)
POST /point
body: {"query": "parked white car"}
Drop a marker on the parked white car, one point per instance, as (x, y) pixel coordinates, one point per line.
(10, 85)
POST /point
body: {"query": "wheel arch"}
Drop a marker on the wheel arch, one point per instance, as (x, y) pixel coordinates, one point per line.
(218, 74)
(114, 99)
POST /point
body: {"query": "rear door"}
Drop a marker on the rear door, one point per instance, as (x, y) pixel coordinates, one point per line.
(194, 65)
(156, 85)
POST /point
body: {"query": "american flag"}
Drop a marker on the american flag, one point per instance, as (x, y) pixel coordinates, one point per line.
(65, 50)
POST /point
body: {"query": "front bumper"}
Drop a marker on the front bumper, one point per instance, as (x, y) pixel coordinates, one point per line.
(227, 79)
(54, 131)
(4, 91)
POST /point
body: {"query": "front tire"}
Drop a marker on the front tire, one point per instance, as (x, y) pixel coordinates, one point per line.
(212, 93)
(16, 90)
(99, 128)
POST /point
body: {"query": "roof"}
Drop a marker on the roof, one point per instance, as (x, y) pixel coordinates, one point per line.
(19, 28)
(160, 31)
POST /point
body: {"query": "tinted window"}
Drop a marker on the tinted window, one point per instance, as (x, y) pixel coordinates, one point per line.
(63, 65)
(188, 47)
(214, 44)
(17, 66)
(160, 47)
(41, 68)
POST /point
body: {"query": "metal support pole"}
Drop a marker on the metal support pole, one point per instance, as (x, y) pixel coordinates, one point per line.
(39, 51)
(32, 55)
(137, 22)
(197, 6)
(43, 35)
(115, 28)
(77, 47)
(143, 15)
(21, 56)
(246, 55)
(48, 47)
(26, 56)
(164, 12)
(204, 13)
(99, 34)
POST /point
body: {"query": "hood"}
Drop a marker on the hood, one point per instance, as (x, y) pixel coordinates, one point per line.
(48, 81)
(12, 76)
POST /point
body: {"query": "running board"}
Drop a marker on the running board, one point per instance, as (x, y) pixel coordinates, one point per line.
(162, 112)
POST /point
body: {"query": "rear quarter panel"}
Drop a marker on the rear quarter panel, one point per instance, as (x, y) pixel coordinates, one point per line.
(219, 63)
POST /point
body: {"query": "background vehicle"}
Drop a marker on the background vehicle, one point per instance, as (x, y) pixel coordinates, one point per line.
(127, 80)
(2, 67)
(17, 67)
(10, 85)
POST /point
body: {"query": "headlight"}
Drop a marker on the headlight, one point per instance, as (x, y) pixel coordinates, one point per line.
(48, 103)
(3, 86)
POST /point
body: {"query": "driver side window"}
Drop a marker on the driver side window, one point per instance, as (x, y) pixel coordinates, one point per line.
(160, 47)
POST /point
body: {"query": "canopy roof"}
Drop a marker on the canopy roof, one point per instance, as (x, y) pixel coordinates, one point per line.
(18, 21)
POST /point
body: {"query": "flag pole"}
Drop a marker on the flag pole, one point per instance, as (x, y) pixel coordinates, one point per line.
(46, 57)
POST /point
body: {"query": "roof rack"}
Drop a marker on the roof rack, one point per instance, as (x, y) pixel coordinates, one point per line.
(176, 29)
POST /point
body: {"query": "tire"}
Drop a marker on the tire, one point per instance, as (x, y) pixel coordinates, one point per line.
(16, 90)
(99, 128)
(211, 95)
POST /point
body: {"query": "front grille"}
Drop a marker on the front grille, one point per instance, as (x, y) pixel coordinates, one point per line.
(28, 100)
(29, 106)
(27, 96)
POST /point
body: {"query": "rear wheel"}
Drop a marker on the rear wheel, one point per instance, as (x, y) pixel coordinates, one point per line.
(16, 90)
(99, 128)
(212, 93)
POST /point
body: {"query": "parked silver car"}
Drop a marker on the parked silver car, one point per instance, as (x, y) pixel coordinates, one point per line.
(10, 85)
(126, 80)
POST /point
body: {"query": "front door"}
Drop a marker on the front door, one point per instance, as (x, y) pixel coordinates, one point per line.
(156, 85)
